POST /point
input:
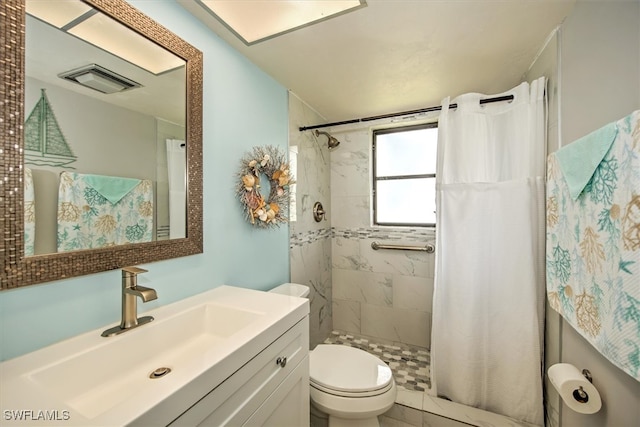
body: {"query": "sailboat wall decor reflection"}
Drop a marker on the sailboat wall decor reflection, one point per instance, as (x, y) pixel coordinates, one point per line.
(44, 141)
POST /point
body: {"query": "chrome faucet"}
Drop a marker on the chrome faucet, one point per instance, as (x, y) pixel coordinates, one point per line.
(130, 292)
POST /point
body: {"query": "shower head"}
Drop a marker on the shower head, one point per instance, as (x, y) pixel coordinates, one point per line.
(331, 142)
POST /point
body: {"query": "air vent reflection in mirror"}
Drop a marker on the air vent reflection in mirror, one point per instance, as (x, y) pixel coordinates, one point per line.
(99, 78)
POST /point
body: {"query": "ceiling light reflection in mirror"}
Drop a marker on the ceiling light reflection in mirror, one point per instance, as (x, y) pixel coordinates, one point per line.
(256, 21)
(82, 21)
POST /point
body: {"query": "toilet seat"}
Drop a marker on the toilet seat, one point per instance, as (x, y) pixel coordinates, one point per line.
(358, 373)
(351, 394)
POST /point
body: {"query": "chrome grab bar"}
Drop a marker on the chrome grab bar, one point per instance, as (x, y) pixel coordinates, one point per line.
(428, 248)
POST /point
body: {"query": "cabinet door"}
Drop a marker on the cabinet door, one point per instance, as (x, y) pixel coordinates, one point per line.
(288, 406)
(239, 396)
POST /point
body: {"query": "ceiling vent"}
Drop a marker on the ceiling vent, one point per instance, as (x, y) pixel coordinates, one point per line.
(99, 78)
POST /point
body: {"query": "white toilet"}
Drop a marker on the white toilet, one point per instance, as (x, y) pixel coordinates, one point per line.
(349, 385)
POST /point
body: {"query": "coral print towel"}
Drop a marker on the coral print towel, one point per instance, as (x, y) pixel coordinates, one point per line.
(29, 213)
(95, 211)
(593, 239)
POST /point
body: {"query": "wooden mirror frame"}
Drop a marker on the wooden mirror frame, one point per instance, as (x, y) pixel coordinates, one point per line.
(19, 270)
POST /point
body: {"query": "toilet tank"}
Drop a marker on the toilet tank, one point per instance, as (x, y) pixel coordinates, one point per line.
(292, 289)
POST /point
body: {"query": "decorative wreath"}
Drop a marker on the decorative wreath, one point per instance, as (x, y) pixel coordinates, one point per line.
(271, 163)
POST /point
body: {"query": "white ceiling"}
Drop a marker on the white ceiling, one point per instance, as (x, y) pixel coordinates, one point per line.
(49, 52)
(397, 55)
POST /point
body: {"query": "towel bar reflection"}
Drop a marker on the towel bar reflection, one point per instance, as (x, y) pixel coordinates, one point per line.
(428, 248)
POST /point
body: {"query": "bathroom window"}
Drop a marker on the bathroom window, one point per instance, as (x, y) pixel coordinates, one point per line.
(404, 175)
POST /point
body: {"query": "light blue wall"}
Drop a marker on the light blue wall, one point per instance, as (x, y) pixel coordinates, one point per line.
(242, 107)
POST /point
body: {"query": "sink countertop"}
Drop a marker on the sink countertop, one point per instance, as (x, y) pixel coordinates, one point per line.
(89, 380)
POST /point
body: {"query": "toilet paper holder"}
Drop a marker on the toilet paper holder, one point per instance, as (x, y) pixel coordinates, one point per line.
(579, 394)
(575, 387)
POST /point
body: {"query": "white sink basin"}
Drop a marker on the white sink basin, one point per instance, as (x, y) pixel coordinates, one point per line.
(113, 372)
(107, 380)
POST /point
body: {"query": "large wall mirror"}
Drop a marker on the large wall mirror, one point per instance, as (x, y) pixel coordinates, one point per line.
(101, 140)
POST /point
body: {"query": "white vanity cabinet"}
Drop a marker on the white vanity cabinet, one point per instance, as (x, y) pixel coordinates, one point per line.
(222, 354)
(271, 389)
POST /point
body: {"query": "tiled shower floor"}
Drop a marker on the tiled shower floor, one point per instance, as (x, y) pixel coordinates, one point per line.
(410, 365)
(415, 407)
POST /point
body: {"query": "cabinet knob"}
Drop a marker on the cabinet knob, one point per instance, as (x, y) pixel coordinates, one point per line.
(282, 361)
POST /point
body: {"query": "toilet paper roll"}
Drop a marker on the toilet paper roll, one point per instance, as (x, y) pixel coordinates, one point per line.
(576, 391)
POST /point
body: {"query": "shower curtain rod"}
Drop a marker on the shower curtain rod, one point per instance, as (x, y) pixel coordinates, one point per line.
(402, 113)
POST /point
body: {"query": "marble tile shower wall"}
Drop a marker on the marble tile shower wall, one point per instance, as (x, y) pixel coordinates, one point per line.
(311, 266)
(310, 241)
(384, 294)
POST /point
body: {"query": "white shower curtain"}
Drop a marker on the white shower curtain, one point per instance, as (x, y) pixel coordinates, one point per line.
(177, 167)
(488, 308)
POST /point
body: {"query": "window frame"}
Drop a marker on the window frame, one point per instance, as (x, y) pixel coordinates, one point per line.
(375, 178)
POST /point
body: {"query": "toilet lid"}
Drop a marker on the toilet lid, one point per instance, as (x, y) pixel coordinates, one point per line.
(344, 368)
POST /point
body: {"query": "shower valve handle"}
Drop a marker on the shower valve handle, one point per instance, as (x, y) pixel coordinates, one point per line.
(318, 212)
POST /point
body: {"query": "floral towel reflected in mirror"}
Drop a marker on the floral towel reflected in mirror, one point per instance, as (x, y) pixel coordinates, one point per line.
(95, 211)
